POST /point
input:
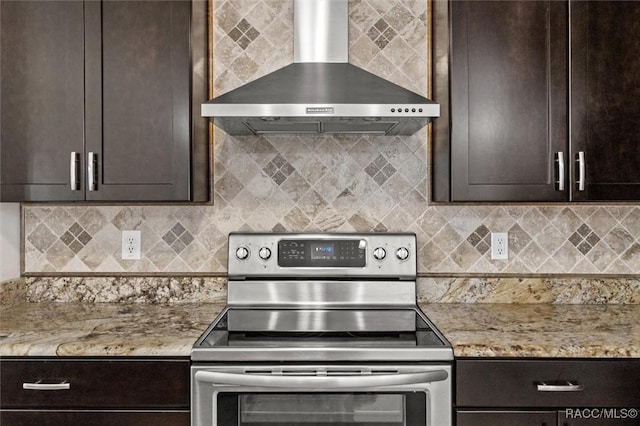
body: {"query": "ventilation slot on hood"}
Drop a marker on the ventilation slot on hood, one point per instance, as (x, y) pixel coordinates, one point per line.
(340, 125)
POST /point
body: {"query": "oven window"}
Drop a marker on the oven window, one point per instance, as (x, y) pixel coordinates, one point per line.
(339, 409)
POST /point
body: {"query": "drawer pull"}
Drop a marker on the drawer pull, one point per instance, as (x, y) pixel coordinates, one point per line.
(559, 386)
(46, 386)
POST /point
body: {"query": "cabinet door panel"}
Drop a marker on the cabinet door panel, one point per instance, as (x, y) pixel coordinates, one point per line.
(94, 418)
(505, 418)
(508, 99)
(605, 81)
(140, 130)
(42, 99)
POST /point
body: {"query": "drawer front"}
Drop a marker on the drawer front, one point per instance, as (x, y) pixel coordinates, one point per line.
(93, 418)
(513, 383)
(598, 417)
(505, 418)
(162, 384)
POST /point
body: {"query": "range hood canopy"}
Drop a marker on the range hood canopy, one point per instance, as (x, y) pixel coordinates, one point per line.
(321, 92)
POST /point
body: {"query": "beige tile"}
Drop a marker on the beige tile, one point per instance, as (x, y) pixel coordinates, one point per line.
(59, 220)
(225, 15)
(465, 255)
(399, 16)
(244, 68)
(430, 256)
(567, 222)
(41, 238)
(296, 220)
(397, 220)
(329, 220)
(465, 222)
(518, 239)
(447, 239)
(632, 222)
(58, 255)
(362, 15)
(632, 257)
(533, 222)
(601, 256)
(602, 221)
(567, 256)
(619, 240)
(380, 6)
(533, 256)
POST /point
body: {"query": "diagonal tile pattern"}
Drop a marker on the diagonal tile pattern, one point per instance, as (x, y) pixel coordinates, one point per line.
(340, 183)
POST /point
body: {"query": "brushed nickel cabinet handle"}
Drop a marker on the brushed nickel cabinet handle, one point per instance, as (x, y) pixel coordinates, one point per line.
(74, 176)
(560, 161)
(554, 386)
(47, 386)
(92, 171)
(581, 170)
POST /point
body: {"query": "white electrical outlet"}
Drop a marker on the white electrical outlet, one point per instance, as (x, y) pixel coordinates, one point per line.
(499, 245)
(131, 242)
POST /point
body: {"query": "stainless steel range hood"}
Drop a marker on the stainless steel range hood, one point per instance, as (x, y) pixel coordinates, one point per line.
(321, 92)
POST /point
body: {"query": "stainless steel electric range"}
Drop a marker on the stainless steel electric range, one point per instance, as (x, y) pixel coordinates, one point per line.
(321, 329)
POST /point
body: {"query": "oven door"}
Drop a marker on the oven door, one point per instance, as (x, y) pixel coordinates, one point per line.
(371, 395)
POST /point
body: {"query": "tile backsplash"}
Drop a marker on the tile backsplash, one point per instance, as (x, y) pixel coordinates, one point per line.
(329, 183)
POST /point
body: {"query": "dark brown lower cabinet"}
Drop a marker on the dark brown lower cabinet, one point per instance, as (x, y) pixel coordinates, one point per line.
(142, 391)
(546, 392)
(506, 418)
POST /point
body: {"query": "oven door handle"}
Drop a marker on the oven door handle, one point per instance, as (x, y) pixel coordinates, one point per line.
(319, 382)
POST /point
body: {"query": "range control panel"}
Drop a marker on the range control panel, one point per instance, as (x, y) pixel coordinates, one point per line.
(334, 255)
(322, 253)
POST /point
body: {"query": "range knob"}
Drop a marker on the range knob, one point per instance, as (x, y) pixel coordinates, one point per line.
(264, 253)
(379, 253)
(242, 253)
(402, 253)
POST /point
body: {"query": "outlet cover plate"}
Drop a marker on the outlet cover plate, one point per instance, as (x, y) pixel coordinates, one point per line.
(131, 242)
(499, 246)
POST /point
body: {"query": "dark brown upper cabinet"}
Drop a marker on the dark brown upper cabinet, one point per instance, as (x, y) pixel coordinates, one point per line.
(98, 101)
(539, 100)
(605, 89)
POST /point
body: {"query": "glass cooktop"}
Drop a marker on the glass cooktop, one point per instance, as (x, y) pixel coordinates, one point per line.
(308, 332)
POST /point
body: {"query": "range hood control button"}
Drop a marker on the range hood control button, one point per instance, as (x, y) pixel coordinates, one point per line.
(379, 253)
(402, 253)
(242, 253)
(264, 253)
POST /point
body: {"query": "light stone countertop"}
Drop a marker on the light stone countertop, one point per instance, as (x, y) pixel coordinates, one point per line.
(539, 330)
(103, 329)
(474, 330)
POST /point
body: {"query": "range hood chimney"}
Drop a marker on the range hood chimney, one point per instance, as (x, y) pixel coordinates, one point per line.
(321, 92)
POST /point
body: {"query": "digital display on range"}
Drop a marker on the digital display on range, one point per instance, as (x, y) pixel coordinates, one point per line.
(323, 251)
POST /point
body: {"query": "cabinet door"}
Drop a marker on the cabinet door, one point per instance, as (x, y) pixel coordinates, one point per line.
(605, 112)
(138, 99)
(42, 99)
(508, 99)
(505, 418)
